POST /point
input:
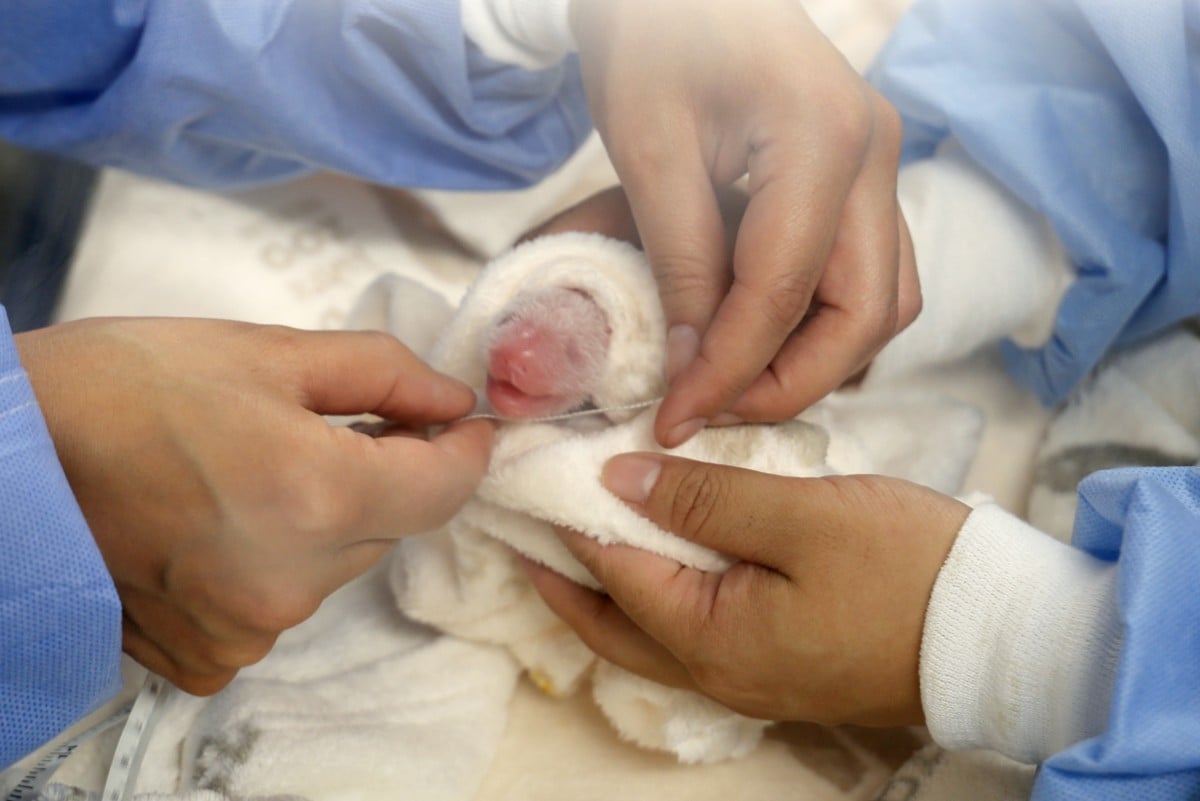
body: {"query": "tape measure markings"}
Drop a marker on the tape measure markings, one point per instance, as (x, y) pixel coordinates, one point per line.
(138, 716)
(30, 786)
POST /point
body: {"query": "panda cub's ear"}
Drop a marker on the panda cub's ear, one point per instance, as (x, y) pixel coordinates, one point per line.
(405, 308)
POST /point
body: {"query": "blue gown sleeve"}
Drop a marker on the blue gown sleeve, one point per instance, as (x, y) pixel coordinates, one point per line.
(225, 93)
(60, 619)
(1088, 111)
(1148, 519)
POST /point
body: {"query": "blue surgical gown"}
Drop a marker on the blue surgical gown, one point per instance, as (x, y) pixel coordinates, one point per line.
(221, 93)
(1089, 110)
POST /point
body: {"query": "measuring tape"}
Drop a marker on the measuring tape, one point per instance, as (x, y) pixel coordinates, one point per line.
(375, 427)
(554, 418)
(138, 715)
(30, 786)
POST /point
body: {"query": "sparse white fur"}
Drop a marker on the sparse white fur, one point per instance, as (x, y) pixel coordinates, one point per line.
(561, 310)
(612, 273)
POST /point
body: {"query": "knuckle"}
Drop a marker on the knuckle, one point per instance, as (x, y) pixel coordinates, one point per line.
(590, 623)
(888, 125)
(281, 341)
(269, 608)
(710, 679)
(874, 320)
(322, 510)
(716, 680)
(203, 684)
(911, 299)
(685, 279)
(639, 158)
(682, 272)
(910, 306)
(282, 609)
(849, 120)
(237, 655)
(864, 492)
(697, 495)
(878, 323)
(786, 298)
(390, 347)
(735, 689)
(281, 348)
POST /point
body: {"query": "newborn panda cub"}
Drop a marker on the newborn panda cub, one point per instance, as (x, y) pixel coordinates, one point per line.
(565, 323)
(546, 354)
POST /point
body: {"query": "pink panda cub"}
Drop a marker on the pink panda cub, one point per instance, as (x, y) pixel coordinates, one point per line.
(546, 354)
(560, 324)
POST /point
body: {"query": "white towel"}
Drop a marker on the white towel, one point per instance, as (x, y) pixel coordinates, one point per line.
(463, 579)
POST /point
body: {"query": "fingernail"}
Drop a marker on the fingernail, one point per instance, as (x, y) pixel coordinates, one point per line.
(727, 419)
(684, 431)
(683, 344)
(631, 477)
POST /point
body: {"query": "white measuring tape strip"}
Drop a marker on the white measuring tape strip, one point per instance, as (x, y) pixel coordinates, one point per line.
(375, 427)
(554, 418)
(35, 779)
(127, 760)
(138, 716)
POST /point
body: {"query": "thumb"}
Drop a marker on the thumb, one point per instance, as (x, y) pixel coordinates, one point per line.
(356, 372)
(741, 513)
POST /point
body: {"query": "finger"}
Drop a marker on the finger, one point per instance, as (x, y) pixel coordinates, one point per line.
(605, 628)
(857, 300)
(679, 220)
(356, 372)
(146, 653)
(410, 485)
(672, 604)
(197, 643)
(781, 249)
(742, 513)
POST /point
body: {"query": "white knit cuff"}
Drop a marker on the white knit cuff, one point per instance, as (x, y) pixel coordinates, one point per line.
(534, 34)
(1021, 641)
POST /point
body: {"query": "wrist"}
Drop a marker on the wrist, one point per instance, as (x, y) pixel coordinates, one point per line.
(1021, 641)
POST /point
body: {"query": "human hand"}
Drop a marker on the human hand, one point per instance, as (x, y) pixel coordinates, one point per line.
(225, 507)
(820, 621)
(689, 95)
